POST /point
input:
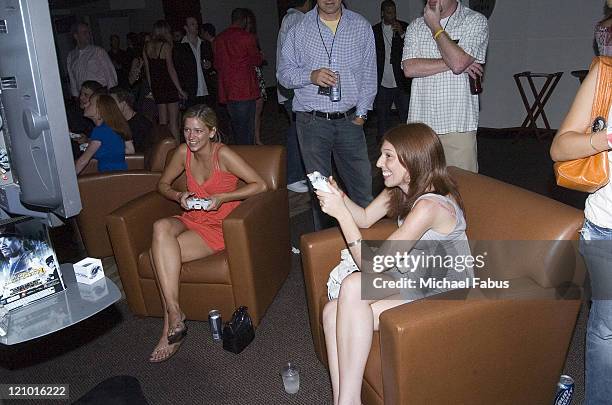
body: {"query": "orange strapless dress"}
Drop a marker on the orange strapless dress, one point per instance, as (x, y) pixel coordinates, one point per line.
(209, 224)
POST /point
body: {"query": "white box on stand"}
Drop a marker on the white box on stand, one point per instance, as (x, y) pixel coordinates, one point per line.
(88, 270)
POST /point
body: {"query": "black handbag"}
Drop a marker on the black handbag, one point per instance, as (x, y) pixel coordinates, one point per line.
(238, 332)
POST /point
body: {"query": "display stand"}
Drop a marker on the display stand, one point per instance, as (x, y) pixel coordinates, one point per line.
(76, 303)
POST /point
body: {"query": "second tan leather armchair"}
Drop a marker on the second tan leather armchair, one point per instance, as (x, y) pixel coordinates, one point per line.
(449, 350)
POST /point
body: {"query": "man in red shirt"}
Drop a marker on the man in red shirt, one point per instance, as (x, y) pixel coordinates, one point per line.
(236, 55)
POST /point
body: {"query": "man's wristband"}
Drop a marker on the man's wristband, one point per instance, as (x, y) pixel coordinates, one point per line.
(437, 34)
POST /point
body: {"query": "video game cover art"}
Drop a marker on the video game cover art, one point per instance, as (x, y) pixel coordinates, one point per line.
(29, 269)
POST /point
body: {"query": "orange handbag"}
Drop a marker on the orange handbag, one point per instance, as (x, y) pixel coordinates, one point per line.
(591, 173)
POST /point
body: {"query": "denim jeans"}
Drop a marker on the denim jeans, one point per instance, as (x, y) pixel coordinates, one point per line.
(295, 166)
(320, 139)
(384, 99)
(596, 248)
(242, 117)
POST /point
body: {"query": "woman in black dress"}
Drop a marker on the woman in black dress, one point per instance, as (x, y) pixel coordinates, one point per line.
(162, 77)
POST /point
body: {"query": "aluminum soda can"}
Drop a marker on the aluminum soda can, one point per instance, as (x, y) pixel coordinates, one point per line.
(565, 390)
(335, 93)
(216, 324)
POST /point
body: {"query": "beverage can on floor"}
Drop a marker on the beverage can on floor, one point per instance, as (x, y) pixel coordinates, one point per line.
(216, 324)
(565, 390)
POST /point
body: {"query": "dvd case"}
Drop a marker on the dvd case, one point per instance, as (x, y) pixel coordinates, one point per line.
(29, 269)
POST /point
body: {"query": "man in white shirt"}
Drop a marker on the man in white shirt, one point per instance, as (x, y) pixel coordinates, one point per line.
(393, 86)
(296, 174)
(442, 50)
(88, 62)
(192, 58)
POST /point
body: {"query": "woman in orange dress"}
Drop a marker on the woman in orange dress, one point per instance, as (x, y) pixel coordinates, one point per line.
(212, 170)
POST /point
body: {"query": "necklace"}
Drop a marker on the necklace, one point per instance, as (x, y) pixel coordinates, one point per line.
(331, 51)
(449, 17)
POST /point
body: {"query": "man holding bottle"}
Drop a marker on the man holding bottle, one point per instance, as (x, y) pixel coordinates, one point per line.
(442, 50)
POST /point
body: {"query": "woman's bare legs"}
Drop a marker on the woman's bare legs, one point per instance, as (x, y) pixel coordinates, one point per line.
(259, 104)
(329, 327)
(163, 349)
(173, 121)
(355, 321)
(172, 245)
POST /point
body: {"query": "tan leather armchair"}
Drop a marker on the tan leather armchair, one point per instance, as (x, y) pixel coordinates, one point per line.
(476, 351)
(248, 272)
(102, 193)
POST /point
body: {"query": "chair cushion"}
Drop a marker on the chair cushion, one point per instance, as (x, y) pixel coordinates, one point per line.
(209, 270)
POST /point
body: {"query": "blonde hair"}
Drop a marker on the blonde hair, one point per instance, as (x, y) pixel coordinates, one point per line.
(206, 116)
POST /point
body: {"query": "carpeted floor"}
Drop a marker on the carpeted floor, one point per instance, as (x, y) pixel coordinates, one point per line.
(115, 342)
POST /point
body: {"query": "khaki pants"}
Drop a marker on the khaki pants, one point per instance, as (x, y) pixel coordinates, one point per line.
(460, 150)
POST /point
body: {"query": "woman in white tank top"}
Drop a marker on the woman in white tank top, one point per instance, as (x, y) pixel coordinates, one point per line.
(571, 142)
(421, 194)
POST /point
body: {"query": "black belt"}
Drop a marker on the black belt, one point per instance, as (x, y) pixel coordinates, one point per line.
(333, 115)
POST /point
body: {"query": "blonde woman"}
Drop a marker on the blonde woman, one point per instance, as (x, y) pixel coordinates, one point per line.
(162, 77)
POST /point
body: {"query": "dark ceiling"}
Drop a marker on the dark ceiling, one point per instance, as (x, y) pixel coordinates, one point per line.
(57, 4)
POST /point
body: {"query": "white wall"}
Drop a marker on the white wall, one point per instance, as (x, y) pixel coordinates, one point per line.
(540, 36)
(266, 12)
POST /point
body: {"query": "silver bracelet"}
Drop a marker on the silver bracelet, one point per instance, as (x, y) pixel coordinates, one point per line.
(354, 243)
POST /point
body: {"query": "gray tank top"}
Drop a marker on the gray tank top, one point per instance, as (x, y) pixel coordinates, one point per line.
(442, 257)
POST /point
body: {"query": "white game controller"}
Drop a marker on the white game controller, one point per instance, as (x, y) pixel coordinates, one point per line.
(195, 203)
(319, 182)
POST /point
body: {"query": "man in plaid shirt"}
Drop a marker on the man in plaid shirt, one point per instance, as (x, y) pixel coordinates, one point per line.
(442, 50)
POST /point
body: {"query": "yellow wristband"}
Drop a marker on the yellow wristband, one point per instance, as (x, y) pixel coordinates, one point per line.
(437, 34)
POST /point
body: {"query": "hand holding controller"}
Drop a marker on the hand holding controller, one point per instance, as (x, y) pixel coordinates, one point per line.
(195, 203)
(319, 182)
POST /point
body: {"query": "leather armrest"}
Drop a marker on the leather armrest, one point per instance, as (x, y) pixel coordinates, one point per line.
(135, 161)
(320, 254)
(132, 223)
(446, 349)
(131, 228)
(257, 241)
(101, 193)
(90, 168)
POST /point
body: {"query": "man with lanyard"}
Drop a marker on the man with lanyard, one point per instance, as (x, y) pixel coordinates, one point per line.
(331, 39)
(191, 59)
(442, 50)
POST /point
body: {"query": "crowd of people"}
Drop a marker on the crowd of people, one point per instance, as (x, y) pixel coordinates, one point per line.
(333, 67)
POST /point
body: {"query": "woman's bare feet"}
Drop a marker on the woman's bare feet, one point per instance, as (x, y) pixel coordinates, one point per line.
(163, 351)
(177, 328)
